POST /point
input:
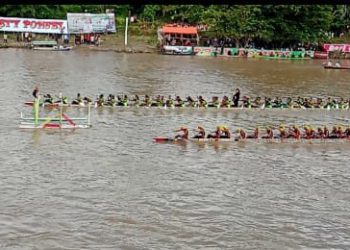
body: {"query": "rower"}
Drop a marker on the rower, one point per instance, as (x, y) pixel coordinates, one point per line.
(147, 101)
(202, 103)
(214, 102)
(179, 102)
(319, 103)
(299, 101)
(277, 102)
(289, 102)
(308, 103)
(136, 100)
(111, 100)
(340, 132)
(87, 100)
(312, 132)
(48, 99)
(157, 102)
(347, 132)
(125, 101)
(191, 101)
(183, 135)
(255, 135)
(325, 132)
(216, 134)
(200, 133)
(246, 102)
(307, 132)
(225, 103)
(62, 99)
(77, 100)
(225, 132)
(100, 100)
(295, 132)
(268, 102)
(170, 102)
(320, 133)
(328, 103)
(269, 134)
(242, 134)
(257, 102)
(283, 133)
(341, 103)
(334, 133)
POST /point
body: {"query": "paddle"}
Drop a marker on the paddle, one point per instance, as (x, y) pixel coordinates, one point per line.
(162, 139)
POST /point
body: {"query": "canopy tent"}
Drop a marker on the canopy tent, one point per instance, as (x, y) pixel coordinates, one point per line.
(180, 30)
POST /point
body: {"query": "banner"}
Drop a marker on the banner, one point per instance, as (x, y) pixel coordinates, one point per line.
(90, 23)
(205, 51)
(14, 24)
(340, 47)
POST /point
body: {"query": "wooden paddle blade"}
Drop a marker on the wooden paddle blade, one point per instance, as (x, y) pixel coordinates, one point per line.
(163, 139)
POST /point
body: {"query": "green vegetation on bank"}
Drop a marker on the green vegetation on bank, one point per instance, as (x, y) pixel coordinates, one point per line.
(275, 25)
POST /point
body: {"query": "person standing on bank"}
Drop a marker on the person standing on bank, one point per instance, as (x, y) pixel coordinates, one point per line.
(235, 98)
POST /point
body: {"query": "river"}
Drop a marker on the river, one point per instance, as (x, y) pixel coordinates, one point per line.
(112, 187)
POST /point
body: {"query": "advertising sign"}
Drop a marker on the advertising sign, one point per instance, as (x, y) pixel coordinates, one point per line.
(340, 47)
(90, 23)
(48, 26)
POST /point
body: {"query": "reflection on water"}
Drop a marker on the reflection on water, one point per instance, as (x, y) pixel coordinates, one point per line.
(112, 187)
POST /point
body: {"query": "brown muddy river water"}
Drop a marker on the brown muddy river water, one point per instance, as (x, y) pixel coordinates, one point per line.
(111, 187)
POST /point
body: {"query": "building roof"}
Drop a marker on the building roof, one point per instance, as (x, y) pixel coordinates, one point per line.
(180, 30)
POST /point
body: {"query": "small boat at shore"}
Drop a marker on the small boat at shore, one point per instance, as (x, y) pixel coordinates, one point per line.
(62, 48)
(49, 46)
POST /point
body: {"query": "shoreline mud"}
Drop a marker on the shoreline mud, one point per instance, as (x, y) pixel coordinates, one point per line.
(117, 49)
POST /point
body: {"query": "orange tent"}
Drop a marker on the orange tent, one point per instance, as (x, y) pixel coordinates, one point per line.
(180, 30)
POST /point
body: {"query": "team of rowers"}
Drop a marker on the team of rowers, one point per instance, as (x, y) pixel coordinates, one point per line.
(225, 102)
(307, 132)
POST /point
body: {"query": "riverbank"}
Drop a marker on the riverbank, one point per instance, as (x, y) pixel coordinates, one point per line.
(110, 42)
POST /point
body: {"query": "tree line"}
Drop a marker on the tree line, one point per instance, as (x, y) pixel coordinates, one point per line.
(281, 25)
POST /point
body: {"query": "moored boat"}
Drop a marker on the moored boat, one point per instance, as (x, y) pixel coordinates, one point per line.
(177, 39)
(320, 55)
(49, 46)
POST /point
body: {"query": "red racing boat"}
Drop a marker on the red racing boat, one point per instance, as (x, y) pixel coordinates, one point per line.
(335, 67)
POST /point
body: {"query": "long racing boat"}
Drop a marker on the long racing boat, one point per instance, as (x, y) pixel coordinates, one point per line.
(335, 67)
(190, 105)
(236, 139)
